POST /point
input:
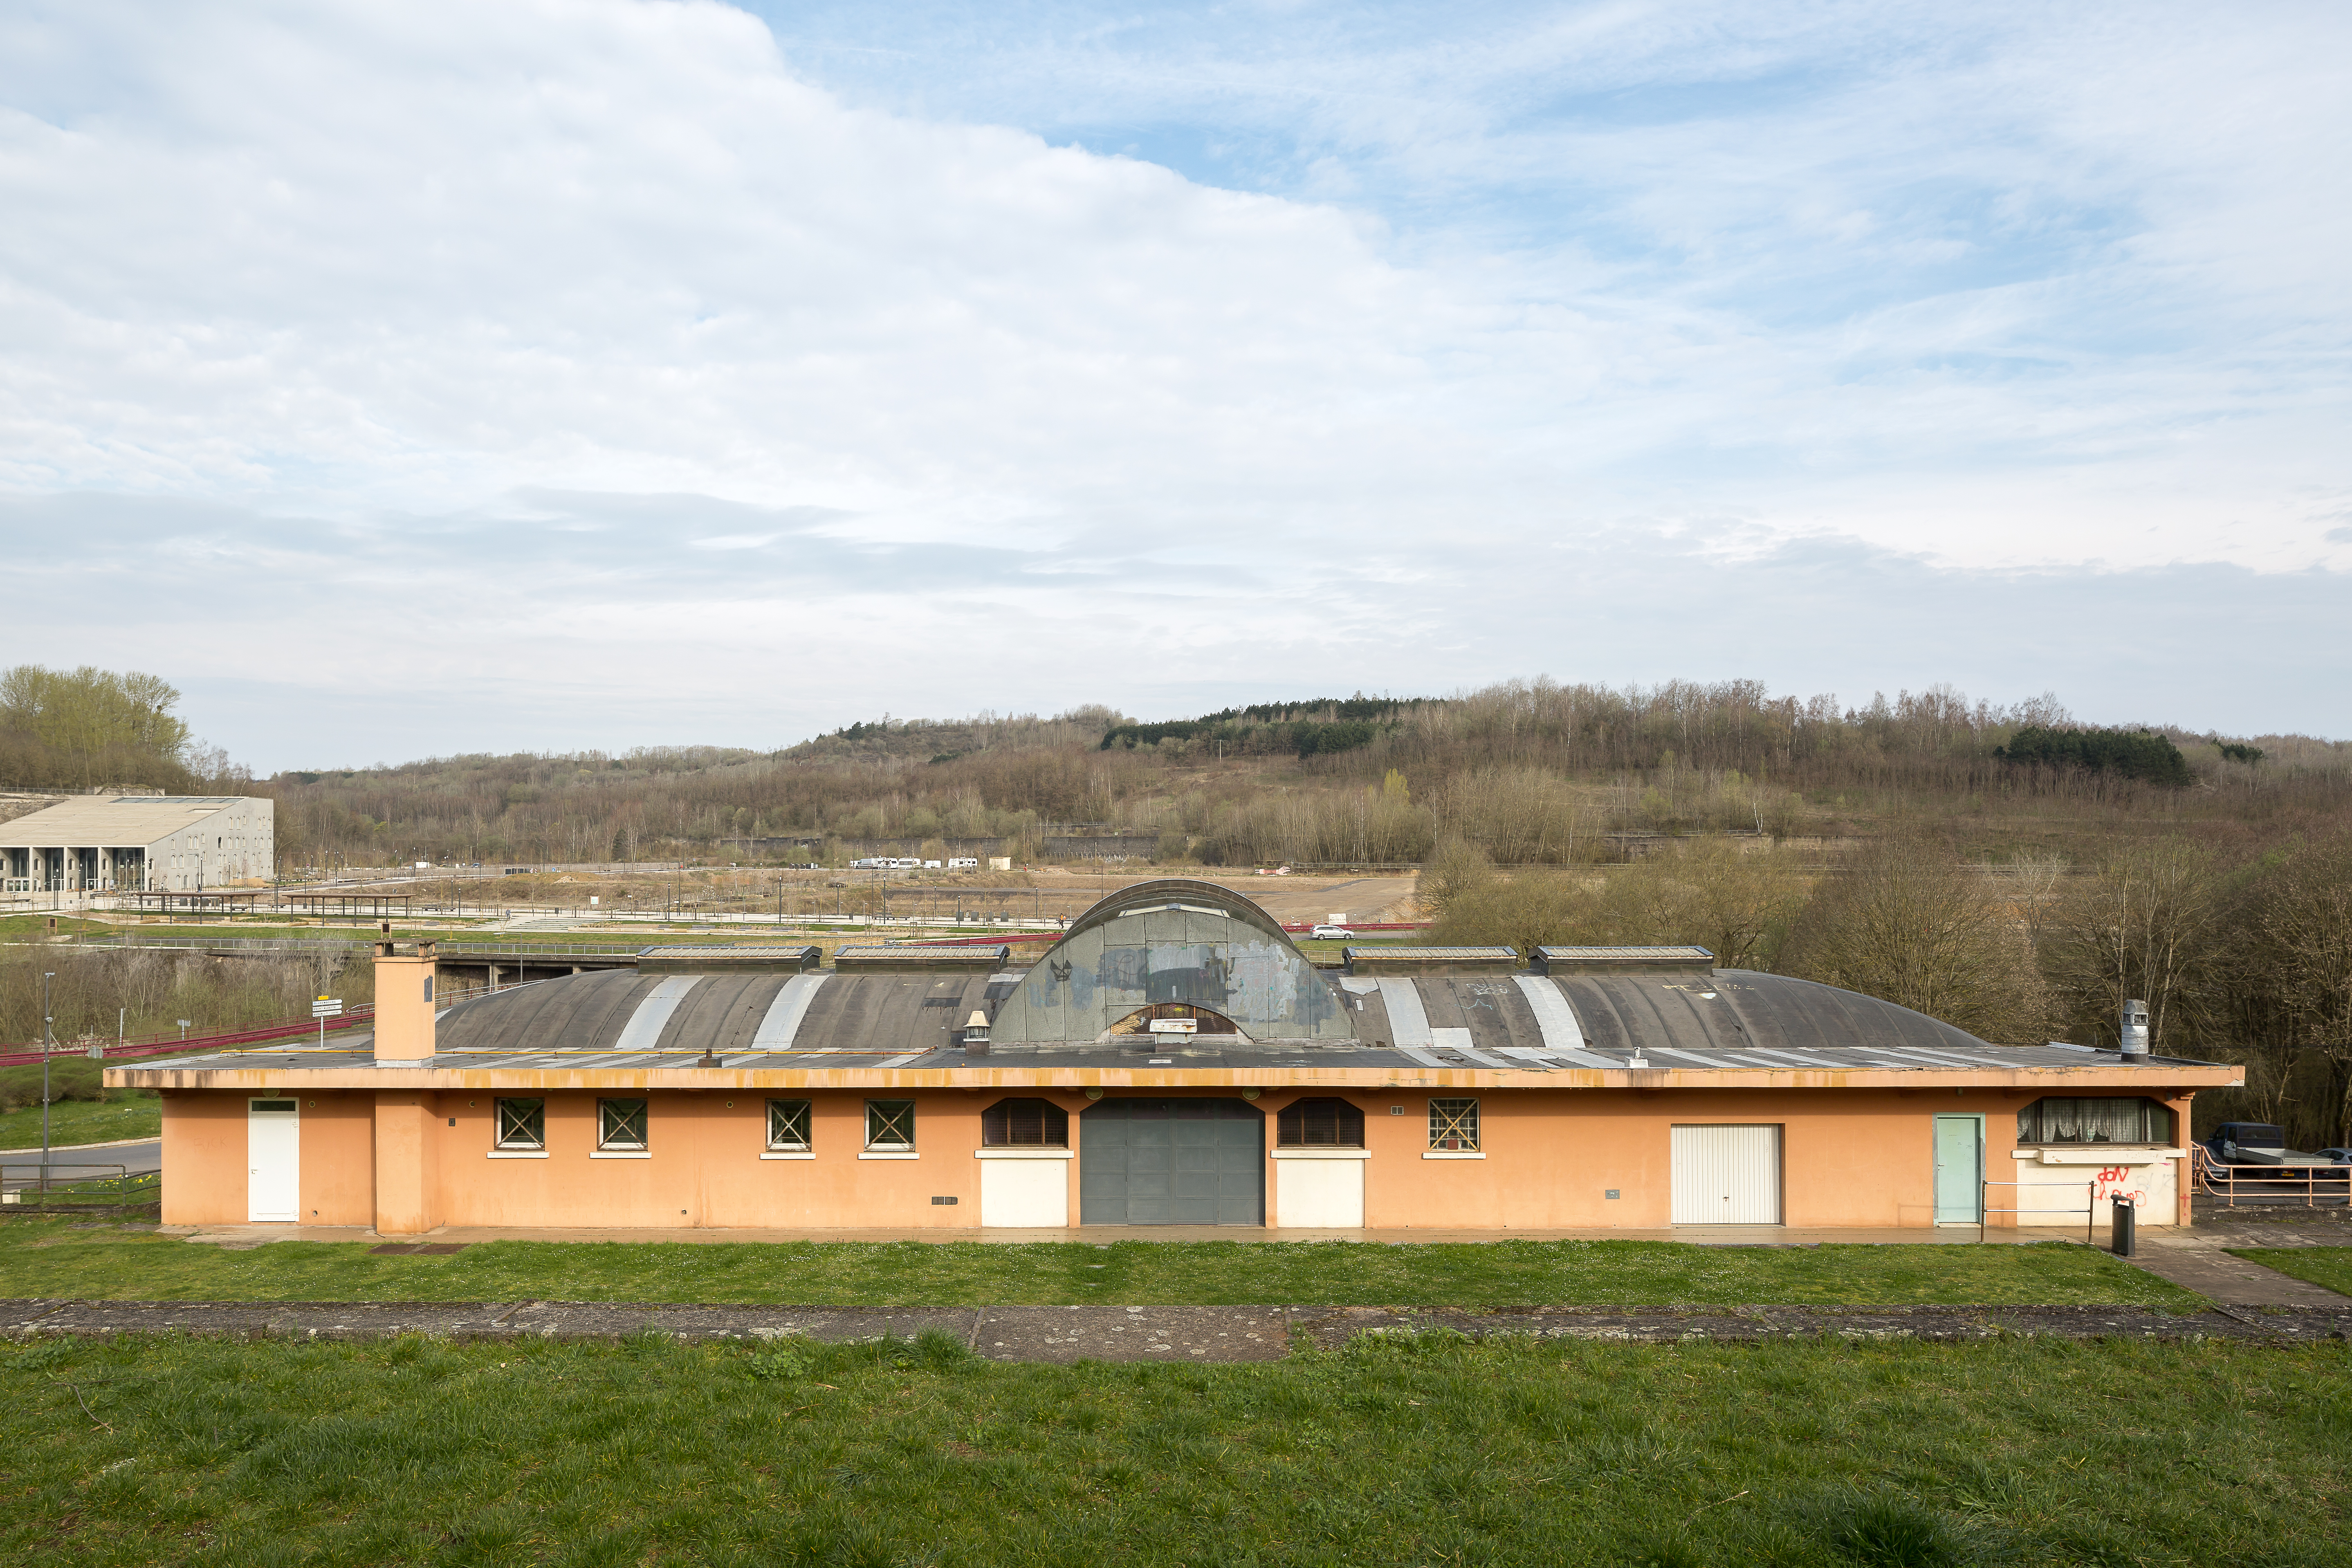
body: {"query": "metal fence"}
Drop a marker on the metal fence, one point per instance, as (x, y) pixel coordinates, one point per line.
(2274, 1187)
(2089, 1211)
(64, 1187)
(174, 1044)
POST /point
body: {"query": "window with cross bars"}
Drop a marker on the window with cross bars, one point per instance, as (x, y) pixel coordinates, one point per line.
(889, 1125)
(788, 1124)
(522, 1123)
(620, 1124)
(1453, 1125)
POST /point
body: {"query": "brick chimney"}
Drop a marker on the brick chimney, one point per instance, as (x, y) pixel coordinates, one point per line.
(404, 1004)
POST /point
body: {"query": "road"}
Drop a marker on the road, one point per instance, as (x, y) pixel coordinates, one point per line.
(131, 1157)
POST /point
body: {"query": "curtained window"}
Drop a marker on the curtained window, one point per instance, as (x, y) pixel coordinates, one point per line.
(2063, 1119)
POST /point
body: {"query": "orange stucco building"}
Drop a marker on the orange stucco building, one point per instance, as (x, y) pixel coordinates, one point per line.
(1173, 1059)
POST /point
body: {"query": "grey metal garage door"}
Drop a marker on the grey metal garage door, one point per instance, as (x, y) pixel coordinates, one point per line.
(1172, 1162)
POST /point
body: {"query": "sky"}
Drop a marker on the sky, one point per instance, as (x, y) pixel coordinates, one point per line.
(416, 378)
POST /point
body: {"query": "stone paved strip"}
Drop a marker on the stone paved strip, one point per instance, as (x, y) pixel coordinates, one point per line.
(1334, 1326)
(1186, 1335)
(1135, 1333)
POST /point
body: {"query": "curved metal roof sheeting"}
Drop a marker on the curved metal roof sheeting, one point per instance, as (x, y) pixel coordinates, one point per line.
(1175, 892)
(1731, 1020)
(618, 1013)
(1738, 1010)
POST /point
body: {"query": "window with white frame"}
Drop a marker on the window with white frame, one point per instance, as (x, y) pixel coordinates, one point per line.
(890, 1126)
(522, 1123)
(1453, 1126)
(621, 1124)
(788, 1124)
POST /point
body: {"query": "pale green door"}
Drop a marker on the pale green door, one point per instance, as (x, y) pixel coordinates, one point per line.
(1959, 1169)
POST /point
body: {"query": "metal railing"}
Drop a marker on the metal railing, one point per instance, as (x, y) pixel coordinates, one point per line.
(2089, 1211)
(66, 1186)
(167, 1044)
(538, 949)
(2273, 1187)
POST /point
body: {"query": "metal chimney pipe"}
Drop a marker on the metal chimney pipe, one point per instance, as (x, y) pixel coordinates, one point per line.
(2134, 1033)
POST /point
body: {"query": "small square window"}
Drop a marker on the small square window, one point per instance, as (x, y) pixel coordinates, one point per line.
(1453, 1125)
(891, 1125)
(522, 1123)
(788, 1124)
(620, 1124)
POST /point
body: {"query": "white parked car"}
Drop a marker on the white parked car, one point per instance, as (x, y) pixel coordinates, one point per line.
(964, 863)
(1333, 933)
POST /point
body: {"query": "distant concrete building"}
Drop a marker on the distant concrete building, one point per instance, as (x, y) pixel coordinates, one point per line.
(141, 843)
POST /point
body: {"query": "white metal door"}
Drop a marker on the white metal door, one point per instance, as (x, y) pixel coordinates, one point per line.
(1318, 1193)
(273, 1158)
(1726, 1175)
(1024, 1193)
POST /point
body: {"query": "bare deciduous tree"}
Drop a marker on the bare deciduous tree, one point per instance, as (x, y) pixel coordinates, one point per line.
(2147, 924)
(2302, 920)
(1904, 922)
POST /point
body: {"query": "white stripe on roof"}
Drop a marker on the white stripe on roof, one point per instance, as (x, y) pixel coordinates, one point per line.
(646, 1025)
(1920, 1054)
(1459, 1040)
(1802, 1060)
(1554, 1016)
(782, 1020)
(1408, 1020)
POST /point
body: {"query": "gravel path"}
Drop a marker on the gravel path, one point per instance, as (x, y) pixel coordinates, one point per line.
(1154, 1333)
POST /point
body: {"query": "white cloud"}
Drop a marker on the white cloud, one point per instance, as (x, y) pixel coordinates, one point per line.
(604, 336)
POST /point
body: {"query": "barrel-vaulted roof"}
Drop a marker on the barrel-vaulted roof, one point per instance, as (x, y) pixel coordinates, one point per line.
(1180, 942)
(1191, 948)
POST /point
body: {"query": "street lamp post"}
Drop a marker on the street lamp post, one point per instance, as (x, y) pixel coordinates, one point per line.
(49, 1041)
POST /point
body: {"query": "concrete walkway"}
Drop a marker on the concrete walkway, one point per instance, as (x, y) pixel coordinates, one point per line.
(2213, 1274)
(1168, 1334)
(2196, 1258)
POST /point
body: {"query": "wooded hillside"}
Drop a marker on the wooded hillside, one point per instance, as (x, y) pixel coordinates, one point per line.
(2009, 868)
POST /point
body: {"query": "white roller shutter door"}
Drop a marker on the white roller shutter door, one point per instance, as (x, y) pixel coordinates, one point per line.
(1726, 1175)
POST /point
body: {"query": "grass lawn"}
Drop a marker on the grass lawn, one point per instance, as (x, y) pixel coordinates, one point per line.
(37, 925)
(2329, 1266)
(137, 1114)
(40, 1258)
(1420, 1450)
